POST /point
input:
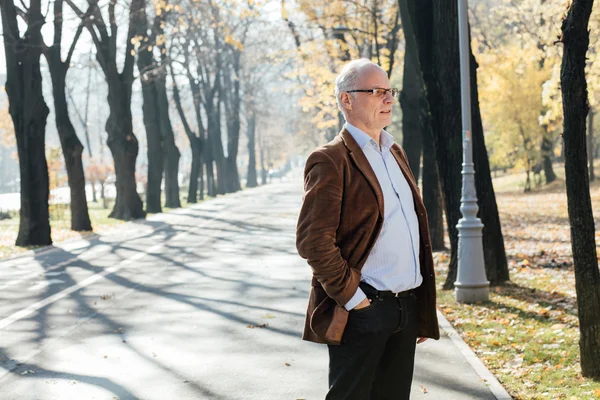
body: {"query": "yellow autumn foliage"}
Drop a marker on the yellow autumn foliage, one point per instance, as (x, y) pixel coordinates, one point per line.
(510, 86)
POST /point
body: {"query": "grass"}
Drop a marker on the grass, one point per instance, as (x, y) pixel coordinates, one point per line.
(60, 222)
(528, 333)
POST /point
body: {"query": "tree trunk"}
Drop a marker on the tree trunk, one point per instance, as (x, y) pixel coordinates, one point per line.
(496, 264)
(432, 194)
(417, 138)
(590, 144)
(29, 113)
(195, 172)
(232, 102)
(575, 107)
(410, 98)
(211, 187)
(124, 148)
(172, 152)
(547, 153)
(103, 195)
(263, 167)
(195, 144)
(121, 141)
(71, 146)
(216, 147)
(218, 151)
(201, 185)
(203, 143)
(433, 26)
(154, 139)
(251, 178)
(86, 130)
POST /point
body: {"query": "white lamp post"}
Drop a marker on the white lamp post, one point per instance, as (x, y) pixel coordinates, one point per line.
(471, 283)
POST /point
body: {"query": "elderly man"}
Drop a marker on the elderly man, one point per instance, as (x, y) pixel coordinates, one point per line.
(363, 230)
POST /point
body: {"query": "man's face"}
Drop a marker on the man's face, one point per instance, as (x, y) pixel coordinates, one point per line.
(372, 111)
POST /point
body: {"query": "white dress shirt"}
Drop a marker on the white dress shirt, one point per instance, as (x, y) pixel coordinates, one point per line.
(393, 263)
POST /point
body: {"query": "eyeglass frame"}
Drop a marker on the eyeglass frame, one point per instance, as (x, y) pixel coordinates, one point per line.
(393, 91)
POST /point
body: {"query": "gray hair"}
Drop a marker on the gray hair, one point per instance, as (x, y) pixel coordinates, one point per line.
(346, 80)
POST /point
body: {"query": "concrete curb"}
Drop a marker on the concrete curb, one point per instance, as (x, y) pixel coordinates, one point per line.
(492, 383)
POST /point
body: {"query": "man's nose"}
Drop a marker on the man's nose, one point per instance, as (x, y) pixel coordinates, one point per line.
(389, 99)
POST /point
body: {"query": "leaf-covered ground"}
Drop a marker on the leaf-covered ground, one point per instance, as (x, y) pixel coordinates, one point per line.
(60, 223)
(527, 334)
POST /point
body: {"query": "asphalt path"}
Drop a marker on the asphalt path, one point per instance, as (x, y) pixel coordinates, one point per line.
(205, 302)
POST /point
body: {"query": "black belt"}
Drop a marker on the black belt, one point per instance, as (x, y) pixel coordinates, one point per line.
(370, 290)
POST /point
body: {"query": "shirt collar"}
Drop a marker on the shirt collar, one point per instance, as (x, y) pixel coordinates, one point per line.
(362, 138)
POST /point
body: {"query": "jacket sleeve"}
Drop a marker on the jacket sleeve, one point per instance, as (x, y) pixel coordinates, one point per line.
(317, 226)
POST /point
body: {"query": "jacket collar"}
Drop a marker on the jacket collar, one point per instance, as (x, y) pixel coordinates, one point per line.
(359, 158)
(404, 167)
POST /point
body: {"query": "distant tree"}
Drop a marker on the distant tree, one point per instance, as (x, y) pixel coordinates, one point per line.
(121, 140)
(196, 140)
(575, 37)
(84, 117)
(511, 101)
(72, 148)
(29, 112)
(529, 26)
(99, 171)
(163, 154)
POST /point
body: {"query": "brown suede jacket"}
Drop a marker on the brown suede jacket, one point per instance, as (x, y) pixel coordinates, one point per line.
(340, 220)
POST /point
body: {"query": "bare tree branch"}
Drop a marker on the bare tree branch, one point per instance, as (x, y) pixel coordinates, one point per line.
(113, 26)
(24, 5)
(292, 27)
(75, 9)
(23, 14)
(73, 44)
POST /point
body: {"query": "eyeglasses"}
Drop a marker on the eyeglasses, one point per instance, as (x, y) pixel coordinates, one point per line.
(379, 92)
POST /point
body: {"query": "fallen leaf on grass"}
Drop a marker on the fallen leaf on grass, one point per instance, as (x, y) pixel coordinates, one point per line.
(516, 362)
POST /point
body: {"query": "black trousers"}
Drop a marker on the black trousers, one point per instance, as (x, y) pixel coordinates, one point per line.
(376, 358)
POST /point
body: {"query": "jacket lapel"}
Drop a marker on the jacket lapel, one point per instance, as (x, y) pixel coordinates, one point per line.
(406, 171)
(359, 158)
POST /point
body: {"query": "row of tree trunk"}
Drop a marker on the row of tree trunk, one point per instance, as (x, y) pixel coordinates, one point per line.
(431, 106)
(29, 112)
(432, 126)
(576, 38)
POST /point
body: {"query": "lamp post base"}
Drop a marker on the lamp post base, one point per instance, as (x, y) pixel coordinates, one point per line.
(471, 293)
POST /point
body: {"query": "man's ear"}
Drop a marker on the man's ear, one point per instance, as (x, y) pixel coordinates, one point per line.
(346, 101)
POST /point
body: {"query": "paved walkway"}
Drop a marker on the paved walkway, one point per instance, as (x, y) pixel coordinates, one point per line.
(202, 303)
